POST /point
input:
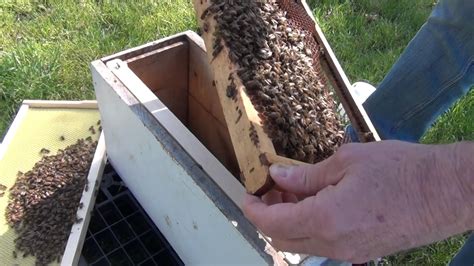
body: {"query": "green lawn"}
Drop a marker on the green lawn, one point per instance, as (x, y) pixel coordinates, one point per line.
(46, 47)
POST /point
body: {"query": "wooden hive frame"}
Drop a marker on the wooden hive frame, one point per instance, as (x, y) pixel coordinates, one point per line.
(243, 121)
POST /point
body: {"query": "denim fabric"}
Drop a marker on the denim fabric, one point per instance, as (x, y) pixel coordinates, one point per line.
(435, 70)
(465, 255)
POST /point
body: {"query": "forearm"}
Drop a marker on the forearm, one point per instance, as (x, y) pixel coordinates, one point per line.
(450, 194)
(463, 171)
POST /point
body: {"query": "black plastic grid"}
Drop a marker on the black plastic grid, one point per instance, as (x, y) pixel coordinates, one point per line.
(120, 232)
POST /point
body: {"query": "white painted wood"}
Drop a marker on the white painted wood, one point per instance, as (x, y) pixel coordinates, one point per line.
(147, 45)
(73, 249)
(193, 223)
(157, 51)
(13, 129)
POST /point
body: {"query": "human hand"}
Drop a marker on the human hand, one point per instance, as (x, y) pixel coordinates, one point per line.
(366, 201)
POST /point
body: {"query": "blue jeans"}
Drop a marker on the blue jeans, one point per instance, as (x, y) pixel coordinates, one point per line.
(435, 70)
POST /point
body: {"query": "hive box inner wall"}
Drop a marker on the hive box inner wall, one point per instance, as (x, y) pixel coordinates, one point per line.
(180, 76)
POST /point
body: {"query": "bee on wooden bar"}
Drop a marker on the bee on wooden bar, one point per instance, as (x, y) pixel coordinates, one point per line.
(278, 64)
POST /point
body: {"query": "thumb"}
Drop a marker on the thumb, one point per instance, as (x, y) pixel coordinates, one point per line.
(305, 180)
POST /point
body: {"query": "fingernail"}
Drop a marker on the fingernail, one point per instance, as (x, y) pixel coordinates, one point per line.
(279, 170)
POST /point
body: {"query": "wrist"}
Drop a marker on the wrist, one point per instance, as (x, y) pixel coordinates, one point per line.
(445, 183)
(463, 174)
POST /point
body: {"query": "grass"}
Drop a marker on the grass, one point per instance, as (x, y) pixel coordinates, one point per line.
(46, 48)
(369, 35)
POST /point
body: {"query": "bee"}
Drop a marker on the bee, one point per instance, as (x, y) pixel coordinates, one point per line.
(92, 130)
(239, 116)
(205, 13)
(217, 48)
(205, 27)
(263, 160)
(231, 91)
(253, 85)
